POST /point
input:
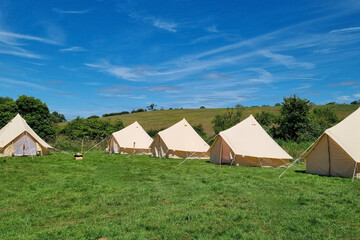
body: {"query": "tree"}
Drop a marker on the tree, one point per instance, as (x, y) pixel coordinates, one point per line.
(93, 116)
(266, 120)
(355, 102)
(322, 119)
(57, 117)
(294, 123)
(37, 115)
(202, 107)
(277, 104)
(8, 110)
(200, 130)
(226, 120)
(151, 107)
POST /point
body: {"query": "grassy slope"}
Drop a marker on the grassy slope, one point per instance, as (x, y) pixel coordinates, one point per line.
(165, 118)
(112, 196)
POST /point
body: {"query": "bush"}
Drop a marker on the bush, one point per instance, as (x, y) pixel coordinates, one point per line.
(226, 120)
(93, 128)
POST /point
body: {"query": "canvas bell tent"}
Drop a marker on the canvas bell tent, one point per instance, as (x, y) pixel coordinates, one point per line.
(132, 140)
(337, 151)
(18, 139)
(179, 141)
(247, 143)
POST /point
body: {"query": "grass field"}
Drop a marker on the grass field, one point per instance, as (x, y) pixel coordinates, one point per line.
(165, 118)
(140, 197)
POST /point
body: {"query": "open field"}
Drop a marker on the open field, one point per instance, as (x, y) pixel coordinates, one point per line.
(140, 197)
(165, 118)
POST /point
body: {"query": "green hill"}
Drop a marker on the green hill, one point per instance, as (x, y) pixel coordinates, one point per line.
(165, 118)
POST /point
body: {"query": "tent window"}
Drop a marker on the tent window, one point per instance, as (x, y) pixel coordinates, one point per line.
(25, 146)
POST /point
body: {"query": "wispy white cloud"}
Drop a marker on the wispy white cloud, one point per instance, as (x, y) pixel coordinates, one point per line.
(350, 29)
(215, 76)
(11, 38)
(73, 49)
(343, 83)
(357, 95)
(169, 26)
(288, 61)
(212, 29)
(61, 11)
(155, 21)
(18, 51)
(344, 98)
(264, 76)
(23, 83)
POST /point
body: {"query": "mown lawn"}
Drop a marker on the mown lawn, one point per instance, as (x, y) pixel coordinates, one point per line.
(140, 197)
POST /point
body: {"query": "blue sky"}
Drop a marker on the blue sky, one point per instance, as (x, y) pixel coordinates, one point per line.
(94, 57)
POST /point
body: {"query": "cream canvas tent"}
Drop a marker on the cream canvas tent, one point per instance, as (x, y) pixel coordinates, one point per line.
(337, 151)
(247, 143)
(179, 141)
(18, 139)
(132, 139)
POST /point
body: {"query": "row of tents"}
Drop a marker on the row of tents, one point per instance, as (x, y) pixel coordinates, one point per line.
(335, 153)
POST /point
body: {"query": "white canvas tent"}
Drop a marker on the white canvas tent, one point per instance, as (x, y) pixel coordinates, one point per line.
(132, 140)
(247, 143)
(18, 139)
(179, 141)
(337, 151)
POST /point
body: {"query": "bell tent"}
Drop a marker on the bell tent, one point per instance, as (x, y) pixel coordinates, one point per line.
(18, 139)
(247, 143)
(337, 151)
(132, 140)
(179, 141)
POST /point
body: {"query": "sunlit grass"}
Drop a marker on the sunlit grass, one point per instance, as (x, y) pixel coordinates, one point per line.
(132, 197)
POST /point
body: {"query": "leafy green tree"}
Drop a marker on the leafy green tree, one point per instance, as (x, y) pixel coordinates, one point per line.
(266, 120)
(93, 128)
(8, 110)
(200, 130)
(37, 115)
(294, 123)
(226, 120)
(93, 116)
(57, 117)
(322, 119)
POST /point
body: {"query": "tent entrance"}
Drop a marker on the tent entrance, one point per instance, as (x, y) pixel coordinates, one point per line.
(226, 155)
(24, 146)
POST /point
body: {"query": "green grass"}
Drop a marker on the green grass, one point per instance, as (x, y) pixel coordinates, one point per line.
(140, 197)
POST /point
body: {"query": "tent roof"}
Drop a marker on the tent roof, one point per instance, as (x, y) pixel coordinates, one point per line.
(133, 133)
(248, 138)
(182, 137)
(16, 127)
(347, 134)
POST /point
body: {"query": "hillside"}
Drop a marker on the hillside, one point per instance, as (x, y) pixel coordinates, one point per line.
(165, 118)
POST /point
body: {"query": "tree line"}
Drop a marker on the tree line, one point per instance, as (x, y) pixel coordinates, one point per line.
(297, 121)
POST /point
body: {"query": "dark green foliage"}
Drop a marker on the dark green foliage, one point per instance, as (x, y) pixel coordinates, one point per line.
(93, 116)
(294, 122)
(8, 110)
(355, 102)
(200, 130)
(152, 132)
(37, 115)
(139, 110)
(277, 104)
(266, 119)
(322, 119)
(115, 114)
(93, 128)
(151, 107)
(202, 107)
(227, 120)
(331, 103)
(57, 117)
